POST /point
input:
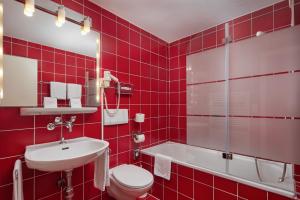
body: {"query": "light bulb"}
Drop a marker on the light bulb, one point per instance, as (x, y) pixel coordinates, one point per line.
(98, 71)
(1, 73)
(29, 8)
(86, 26)
(61, 16)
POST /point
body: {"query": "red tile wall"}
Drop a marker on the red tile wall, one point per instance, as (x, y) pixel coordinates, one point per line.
(187, 184)
(134, 56)
(157, 71)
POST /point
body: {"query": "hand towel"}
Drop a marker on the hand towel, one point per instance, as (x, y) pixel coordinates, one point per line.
(58, 90)
(18, 181)
(73, 91)
(101, 171)
(162, 166)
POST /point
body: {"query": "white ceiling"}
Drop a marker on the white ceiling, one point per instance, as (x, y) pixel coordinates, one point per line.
(174, 19)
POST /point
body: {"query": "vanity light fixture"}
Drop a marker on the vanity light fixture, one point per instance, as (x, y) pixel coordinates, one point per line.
(61, 16)
(1, 50)
(98, 71)
(29, 8)
(86, 26)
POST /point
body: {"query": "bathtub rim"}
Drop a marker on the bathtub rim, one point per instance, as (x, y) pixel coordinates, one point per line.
(267, 188)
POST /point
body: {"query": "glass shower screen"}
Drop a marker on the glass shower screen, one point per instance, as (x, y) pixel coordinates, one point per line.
(265, 96)
(244, 99)
(206, 99)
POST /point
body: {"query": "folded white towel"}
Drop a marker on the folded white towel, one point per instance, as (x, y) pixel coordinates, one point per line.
(101, 171)
(18, 181)
(162, 166)
(50, 102)
(75, 103)
(73, 91)
(58, 90)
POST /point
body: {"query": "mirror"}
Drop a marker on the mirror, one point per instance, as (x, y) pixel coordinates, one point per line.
(62, 54)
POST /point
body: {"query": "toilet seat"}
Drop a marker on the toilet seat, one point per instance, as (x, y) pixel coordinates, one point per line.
(132, 176)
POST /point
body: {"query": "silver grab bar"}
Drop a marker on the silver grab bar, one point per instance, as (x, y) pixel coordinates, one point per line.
(281, 179)
(257, 170)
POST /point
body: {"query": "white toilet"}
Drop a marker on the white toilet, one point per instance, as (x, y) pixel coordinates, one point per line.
(127, 182)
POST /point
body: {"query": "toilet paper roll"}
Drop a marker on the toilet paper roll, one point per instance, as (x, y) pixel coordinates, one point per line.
(139, 138)
(139, 117)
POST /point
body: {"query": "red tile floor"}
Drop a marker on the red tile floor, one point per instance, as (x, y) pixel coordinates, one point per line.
(150, 197)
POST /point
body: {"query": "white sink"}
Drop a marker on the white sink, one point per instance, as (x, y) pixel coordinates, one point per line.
(62, 157)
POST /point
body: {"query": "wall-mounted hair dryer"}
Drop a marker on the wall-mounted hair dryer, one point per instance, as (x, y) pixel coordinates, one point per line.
(107, 78)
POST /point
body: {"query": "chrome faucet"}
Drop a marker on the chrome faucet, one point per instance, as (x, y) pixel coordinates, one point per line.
(62, 140)
(52, 126)
(58, 121)
(69, 124)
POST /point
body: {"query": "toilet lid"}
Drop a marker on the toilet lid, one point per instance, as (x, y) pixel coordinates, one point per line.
(132, 176)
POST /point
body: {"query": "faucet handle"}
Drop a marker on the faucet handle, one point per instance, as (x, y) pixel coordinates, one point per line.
(58, 119)
(73, 118)
(50, 127)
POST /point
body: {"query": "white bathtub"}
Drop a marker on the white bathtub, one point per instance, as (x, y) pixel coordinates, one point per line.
(241, 168)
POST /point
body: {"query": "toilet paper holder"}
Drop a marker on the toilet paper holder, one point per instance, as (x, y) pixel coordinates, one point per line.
(136, 134)
(136, 149)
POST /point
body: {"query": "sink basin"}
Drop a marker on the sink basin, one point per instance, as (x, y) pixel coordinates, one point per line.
(62, 157)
